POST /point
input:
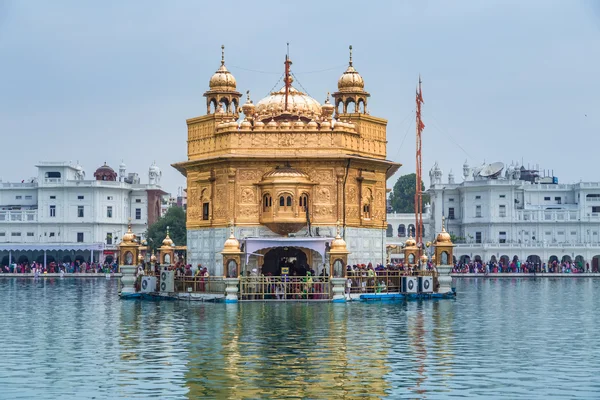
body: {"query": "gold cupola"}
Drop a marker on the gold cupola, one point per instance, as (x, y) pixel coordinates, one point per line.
(351, 91)
(248, 108)
(327, 108)
(129, 236)
(444, 247)
(232, 255)
(166, 251)
(222, 96)
(338, 254)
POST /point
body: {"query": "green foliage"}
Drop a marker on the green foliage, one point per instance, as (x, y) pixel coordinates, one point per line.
(456, 239)
(403, 194)
(175, 220)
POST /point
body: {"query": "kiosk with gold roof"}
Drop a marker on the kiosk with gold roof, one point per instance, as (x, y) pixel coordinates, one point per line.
(444, 259)
(128, 257)
(167, 250)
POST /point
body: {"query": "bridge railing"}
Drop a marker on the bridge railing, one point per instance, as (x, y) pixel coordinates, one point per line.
(284, 288)
(200, 284)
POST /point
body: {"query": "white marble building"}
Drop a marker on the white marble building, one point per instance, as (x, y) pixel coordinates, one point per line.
(500, 212)
(60, 215)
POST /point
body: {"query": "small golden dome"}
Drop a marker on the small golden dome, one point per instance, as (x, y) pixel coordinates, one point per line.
(424, 259)
(443, 237)
(248, 107)
(231, 245)
(167, 241)
(285, 173)
(140, 257)
(153, 258)
(327, 108)
(129, 236)
(259, 125)
(351, 81)
(338, 244)
(222, 80)
(410, 242)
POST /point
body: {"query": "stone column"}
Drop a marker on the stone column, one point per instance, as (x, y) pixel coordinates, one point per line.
(444, 279)
(231, 290)
(128, 279)
(338, 287)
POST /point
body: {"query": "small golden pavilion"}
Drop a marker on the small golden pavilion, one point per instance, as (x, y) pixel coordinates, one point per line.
(283, 171)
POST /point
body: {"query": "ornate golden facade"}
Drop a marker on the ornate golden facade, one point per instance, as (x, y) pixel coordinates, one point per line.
(289, 162)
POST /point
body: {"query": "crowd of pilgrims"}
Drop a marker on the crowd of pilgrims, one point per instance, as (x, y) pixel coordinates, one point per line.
(81, 267)
(518, 267)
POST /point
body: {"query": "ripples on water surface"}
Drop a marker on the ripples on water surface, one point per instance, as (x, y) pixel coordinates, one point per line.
(73, 338)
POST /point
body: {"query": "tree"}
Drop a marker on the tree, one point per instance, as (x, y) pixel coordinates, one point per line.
(175, 220)
(402, 197)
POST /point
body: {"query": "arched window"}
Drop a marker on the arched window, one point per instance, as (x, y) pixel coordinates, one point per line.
(267, 202)
(411, 258)
(303, 202)
(367, 210)
(390, 231)
(285, 202)
(401, 230)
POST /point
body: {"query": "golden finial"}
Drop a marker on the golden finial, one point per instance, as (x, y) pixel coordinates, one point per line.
(350, 63)
(248, 96)
(167, 230)
(443, 223)
(327, 98)
(337, 227)
(231, 228)
(222, 54)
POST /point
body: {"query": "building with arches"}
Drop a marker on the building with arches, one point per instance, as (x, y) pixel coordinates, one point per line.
(60, 216)
(503, 213)
(285, 174)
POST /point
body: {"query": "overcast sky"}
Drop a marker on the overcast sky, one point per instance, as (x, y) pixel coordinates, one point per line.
(113, 80)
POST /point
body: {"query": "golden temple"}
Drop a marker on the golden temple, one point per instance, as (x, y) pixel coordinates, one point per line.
(285, 173)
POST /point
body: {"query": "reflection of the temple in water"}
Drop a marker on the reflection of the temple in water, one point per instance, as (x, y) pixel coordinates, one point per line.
(286, 351)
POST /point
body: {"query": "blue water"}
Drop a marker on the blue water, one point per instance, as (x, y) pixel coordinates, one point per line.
(500, 338)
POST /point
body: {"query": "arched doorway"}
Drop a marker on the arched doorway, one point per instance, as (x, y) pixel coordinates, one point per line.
(552, 259)
(465, 259)
(109, 259)
(290, 257)
(595, 263)
(580, 262)
(566, 259)
(535, 259)
(23, 259)
(504, 259)
(493, 259)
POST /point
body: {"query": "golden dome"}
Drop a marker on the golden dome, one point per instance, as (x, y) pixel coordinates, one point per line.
(153, 258)
(410, 242)
(338, 244)
(443, 237)
(299, 104)
(248, 107)
(140, 257)
(231, 245)
(222, 80)
(286, 173)
(424, 259)
(351, 81)
(327, 107)
(167, 241)
(129, 236)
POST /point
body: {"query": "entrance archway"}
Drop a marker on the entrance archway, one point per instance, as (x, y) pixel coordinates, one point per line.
(291, 257)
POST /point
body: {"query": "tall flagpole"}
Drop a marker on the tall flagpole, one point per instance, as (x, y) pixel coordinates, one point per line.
(418, 181)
